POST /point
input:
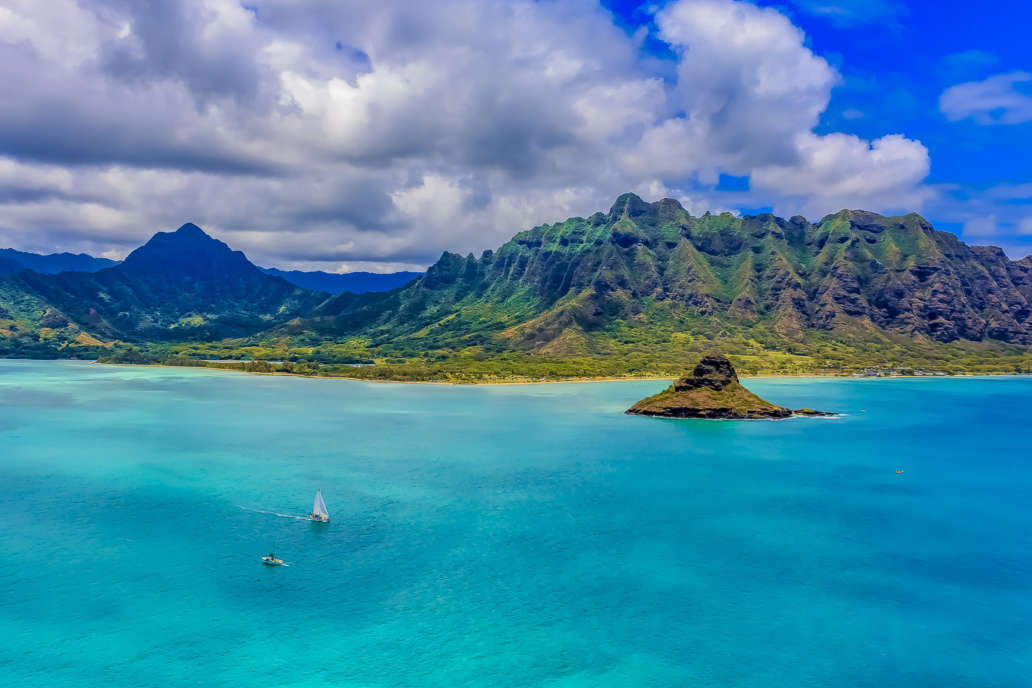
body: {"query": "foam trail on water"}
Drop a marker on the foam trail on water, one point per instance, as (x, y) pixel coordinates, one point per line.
(272, 513)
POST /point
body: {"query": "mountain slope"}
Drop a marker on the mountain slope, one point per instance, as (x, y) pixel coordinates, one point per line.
(567, 288)
(9, 267)
(638, 290)
(339, 283)
(179, 285)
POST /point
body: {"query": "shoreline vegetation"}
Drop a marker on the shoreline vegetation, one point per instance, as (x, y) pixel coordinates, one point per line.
(619, 355)
(643, 291)
(548, 371)
(660, 358)
(516, 380)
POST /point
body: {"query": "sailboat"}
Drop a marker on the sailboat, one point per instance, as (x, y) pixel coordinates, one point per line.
(319, 512)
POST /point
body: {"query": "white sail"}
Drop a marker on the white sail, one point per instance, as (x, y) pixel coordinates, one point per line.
(319, 508)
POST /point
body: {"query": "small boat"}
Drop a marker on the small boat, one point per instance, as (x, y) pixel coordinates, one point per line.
(899, 472)
(270, 559)
(319, 512)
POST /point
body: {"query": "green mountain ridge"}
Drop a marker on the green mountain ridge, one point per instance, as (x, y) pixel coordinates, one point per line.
(647, 264)
(181, 285)
(351, 282)
(637, 290)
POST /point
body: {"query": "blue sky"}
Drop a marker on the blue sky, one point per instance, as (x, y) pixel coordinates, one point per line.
(896, 60)
(355, 135)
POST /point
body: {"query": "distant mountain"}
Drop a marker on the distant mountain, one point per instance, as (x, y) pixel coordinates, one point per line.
(52, 263)
(189, 253)
(179, 285)
(585, 285)
(338, 283)
(643, 287)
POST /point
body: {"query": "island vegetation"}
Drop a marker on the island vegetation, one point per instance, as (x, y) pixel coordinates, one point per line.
(640, 291)
(712, 391)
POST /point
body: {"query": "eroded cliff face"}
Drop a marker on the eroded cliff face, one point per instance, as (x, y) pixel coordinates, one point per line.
(712, 390)
(646, 263)
(622, 282)
(714, 372)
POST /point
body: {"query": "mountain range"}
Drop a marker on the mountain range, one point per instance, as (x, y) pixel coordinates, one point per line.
(643, 265)
(635, 289)
(179, 285)
(12, 261)
(340, 282)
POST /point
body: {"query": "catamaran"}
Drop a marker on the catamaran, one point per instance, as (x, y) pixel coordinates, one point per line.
(319, 512)
(272, 560)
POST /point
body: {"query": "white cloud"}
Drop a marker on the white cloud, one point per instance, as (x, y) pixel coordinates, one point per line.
(753, 92)
(854, 12)
(436, 201)
(998, 215)
(359, 133)
(746, 82)
(843, 171)
(981, 226)
(1000, 99)
(1012, 191)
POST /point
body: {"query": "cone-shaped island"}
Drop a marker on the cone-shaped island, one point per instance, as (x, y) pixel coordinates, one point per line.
(712, 390)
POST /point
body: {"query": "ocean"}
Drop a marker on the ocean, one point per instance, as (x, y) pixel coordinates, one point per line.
(524, 535)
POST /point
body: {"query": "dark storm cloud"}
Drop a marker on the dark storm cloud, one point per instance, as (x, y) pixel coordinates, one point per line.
(18, 193)
(165, 41)
(52, 138)
(78, 119)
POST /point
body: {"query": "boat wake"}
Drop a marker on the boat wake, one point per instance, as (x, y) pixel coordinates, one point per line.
(272, 513)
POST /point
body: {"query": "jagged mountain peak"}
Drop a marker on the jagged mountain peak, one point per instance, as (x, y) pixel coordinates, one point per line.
(867, 218)
(854, 216)
(645, 263)
(190, 228)
(179, 285)
(631, 205)
(190, 251)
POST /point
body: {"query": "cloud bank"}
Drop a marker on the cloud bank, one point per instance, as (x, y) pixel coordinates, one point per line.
(377, 135)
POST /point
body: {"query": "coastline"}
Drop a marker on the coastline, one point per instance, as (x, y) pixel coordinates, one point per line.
(576, 380)
(471, 383)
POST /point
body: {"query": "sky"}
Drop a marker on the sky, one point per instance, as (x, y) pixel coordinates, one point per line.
(348, 135)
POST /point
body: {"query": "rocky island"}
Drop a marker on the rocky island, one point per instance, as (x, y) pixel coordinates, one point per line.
(712, 390)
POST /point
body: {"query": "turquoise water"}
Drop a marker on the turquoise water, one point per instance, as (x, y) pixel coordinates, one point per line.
(508, 536)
